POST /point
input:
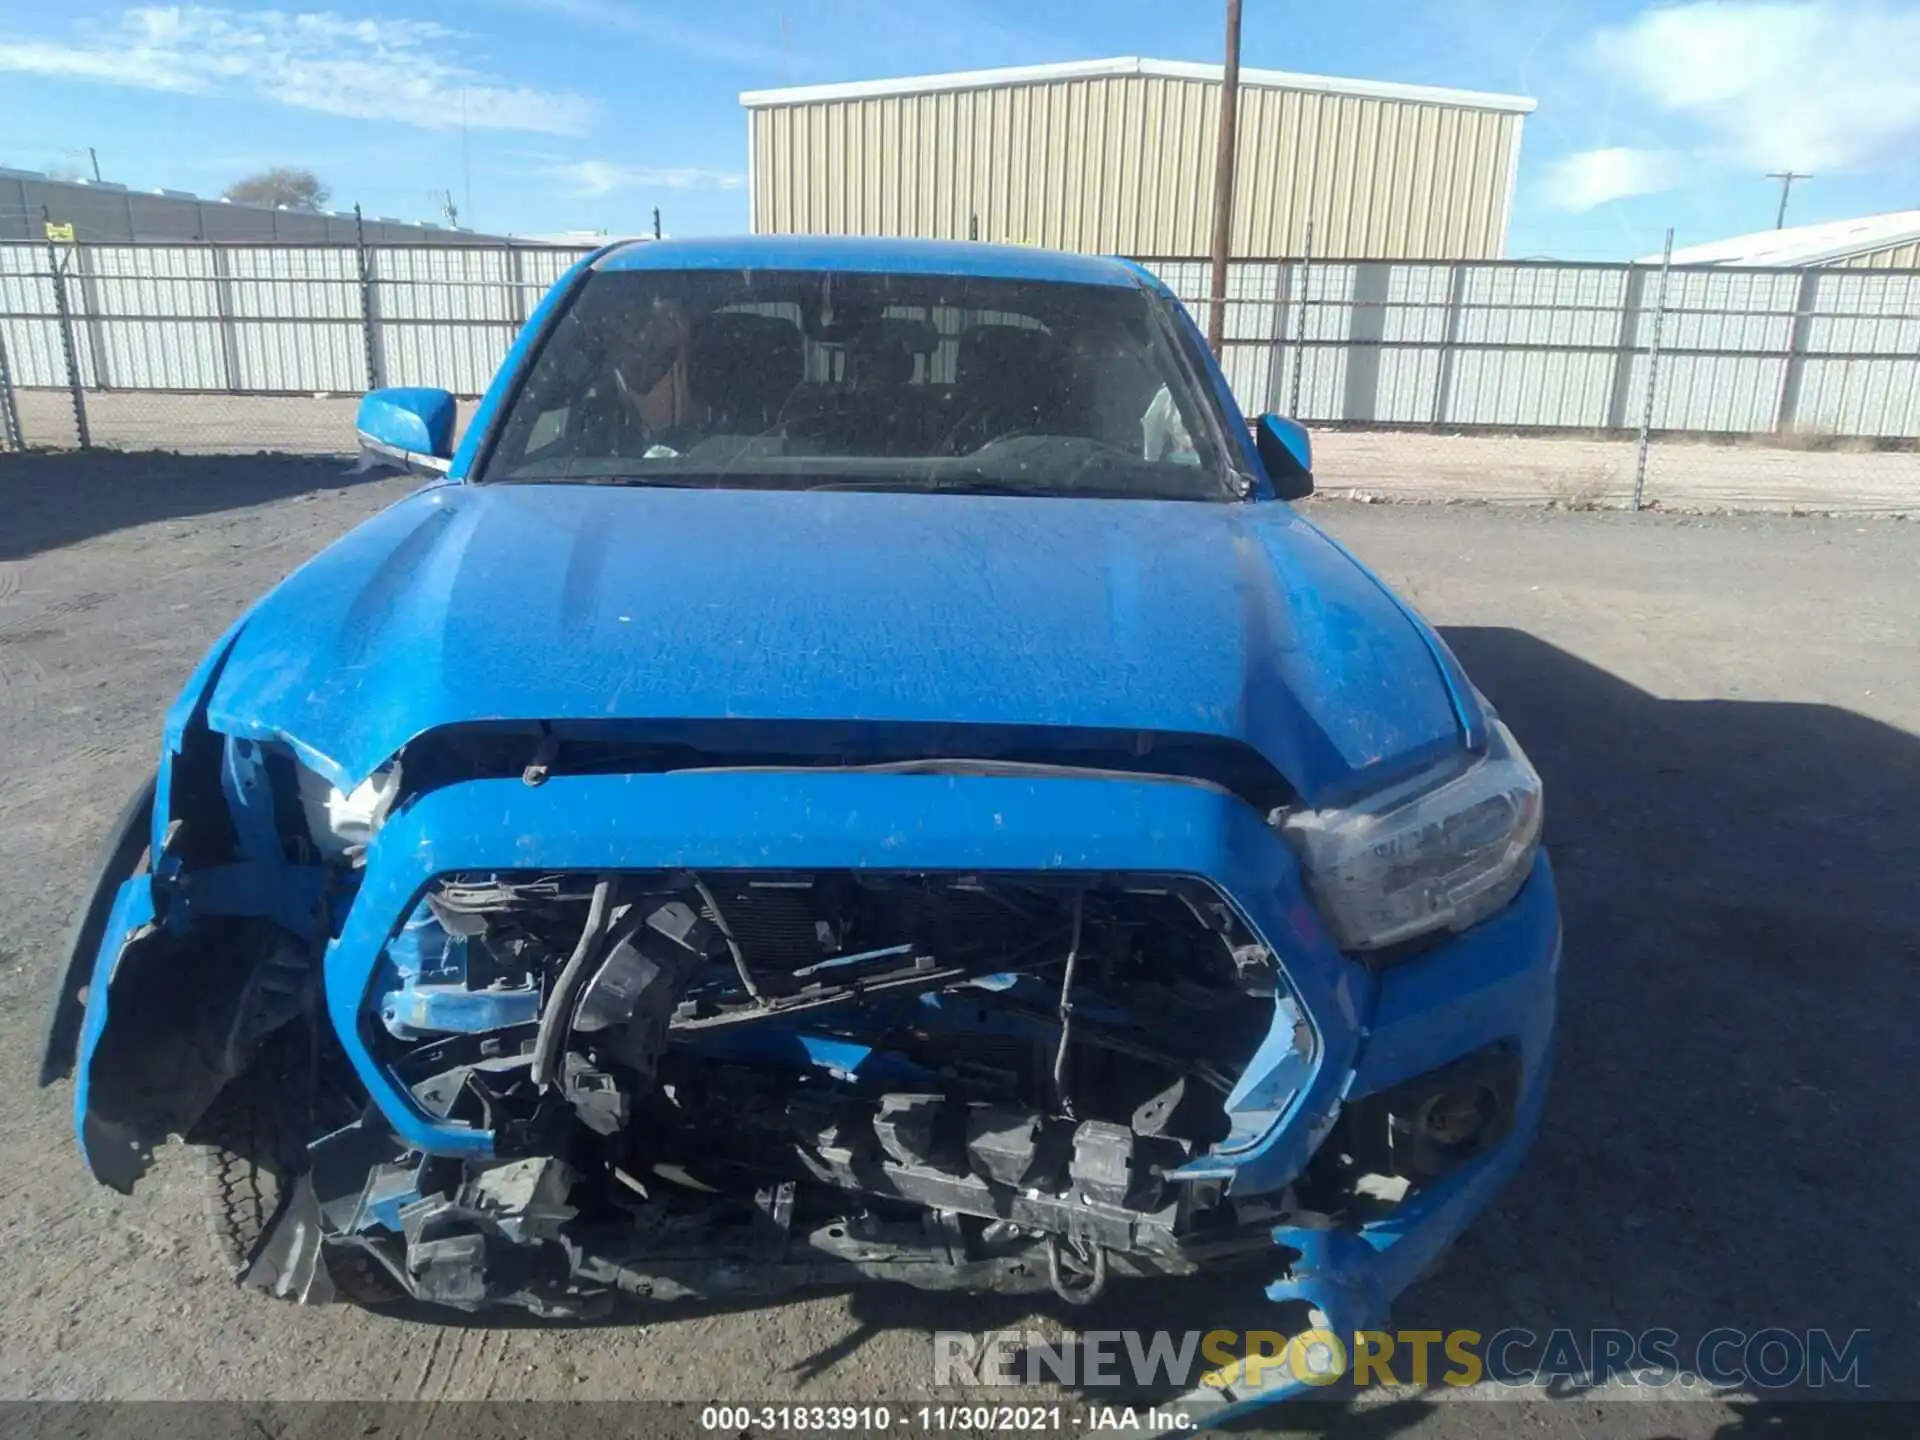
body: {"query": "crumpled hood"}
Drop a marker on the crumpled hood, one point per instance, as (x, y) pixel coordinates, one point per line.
(548, 602)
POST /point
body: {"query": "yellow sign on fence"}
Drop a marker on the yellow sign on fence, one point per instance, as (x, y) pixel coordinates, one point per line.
(60, 232)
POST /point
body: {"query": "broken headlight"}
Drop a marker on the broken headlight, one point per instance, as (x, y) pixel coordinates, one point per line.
(341, 823)
(1442, 851)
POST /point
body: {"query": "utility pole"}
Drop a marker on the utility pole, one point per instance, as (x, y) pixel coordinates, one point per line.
(1223, 182)
(656, 222)
(94, 156)
(1786, 179)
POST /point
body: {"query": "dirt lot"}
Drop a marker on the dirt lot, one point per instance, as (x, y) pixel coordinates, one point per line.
(1725, 712)
(1383, 464)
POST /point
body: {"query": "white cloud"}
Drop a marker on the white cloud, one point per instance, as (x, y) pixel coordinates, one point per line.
(591, 178)
(391, 70)
(1801, 84)
(701, 42)
(1591, 178)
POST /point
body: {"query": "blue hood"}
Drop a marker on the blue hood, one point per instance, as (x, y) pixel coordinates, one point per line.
(551, 602)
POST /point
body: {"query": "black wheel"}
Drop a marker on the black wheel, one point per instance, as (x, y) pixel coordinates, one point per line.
(240, 1170)
(249, 1155)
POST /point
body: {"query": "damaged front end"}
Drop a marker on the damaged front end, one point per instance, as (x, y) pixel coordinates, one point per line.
(971, 1031)
(567, 1031)
(722, 1082)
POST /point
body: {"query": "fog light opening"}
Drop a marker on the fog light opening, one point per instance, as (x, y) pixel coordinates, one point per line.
(1458, 1121)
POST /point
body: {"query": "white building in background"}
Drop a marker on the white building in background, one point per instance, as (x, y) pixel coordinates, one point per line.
(1117, 156)
(579, 239)
(1890, 241)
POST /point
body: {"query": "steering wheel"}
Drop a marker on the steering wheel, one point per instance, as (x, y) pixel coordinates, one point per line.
(1019, 432)
(951, 444)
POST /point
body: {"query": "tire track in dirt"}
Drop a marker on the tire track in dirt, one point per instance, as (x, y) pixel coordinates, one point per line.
(419, 1390)
(452, 1375)
(77, 604)
(497, 1366)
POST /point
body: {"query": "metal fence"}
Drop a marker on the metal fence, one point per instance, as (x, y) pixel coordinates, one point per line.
(1526, 345)
(263, 347)
(266, 320)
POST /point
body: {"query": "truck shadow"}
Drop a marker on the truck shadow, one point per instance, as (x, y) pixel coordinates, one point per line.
(1731, 1115)
(48, 500)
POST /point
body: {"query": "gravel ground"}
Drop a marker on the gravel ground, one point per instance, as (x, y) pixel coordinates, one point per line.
(1725, 714)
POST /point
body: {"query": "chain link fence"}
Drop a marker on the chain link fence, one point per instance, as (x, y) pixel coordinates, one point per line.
(1575, 384)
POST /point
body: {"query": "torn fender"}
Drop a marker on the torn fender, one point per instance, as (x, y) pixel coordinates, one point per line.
(183, 957)
(120, 856)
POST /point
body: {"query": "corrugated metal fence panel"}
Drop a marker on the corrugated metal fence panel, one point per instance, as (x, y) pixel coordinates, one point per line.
(446, 316)
(152, 318)
(1745, 319)
(1874, 318)
(1545, 346)
(1254, 313)
(1860, 397)
(539, 268)
(1323, 326)
(1536, 346)
(27, 309)
(297, 319)
(1404, 309)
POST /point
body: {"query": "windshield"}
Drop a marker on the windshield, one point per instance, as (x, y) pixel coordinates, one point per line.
(812, 379)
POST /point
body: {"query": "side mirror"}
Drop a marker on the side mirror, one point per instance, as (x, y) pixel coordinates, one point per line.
(411, 428)
(1287, 454)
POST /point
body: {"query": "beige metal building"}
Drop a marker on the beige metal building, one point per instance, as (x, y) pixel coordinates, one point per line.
(1116, 156)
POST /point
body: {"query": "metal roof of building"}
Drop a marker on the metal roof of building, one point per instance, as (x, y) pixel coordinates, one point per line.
(1135, 65)
(1804, 244)
(108, 212)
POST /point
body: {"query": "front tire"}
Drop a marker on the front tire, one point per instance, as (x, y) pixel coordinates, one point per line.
(249, 1155)
(240, 1168)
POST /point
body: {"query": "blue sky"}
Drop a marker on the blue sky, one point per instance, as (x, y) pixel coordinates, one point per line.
(588, 113)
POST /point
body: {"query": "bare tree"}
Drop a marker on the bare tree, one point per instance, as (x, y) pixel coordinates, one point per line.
(288, 185)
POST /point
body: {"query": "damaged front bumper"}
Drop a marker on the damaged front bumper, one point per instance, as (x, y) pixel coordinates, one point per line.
(825, 821)
(1498, 979)
(1356, 1059)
